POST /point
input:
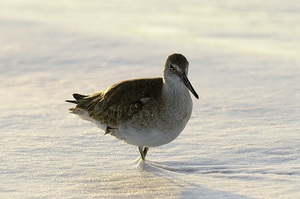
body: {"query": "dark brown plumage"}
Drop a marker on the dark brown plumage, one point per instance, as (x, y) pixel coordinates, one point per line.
(142, 112)
(119, 102)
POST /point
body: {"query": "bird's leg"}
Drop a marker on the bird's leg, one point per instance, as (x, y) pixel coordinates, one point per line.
(143, 151)
(107, 130)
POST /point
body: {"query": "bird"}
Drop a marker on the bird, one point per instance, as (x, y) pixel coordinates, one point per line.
(145, 112)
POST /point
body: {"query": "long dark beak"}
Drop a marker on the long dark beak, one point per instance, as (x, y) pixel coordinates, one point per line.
(188, 84)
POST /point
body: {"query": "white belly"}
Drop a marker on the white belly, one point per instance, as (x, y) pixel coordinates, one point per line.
(158, 130)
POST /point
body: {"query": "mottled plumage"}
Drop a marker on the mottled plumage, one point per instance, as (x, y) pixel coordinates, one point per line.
(143, 112)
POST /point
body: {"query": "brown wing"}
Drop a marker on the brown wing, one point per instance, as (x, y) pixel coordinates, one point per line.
(122, 100)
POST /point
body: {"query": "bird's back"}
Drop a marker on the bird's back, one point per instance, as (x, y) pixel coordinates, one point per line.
(119, 102)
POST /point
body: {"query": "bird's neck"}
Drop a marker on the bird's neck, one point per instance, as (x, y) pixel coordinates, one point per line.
(177, 100)
(174, 90)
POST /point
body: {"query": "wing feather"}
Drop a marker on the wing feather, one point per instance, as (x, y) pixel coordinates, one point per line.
(122, 100)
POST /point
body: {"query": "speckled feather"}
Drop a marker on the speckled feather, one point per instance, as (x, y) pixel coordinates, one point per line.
(143, 112)
(121, 101)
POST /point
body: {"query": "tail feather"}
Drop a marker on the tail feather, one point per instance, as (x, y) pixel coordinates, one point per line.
(78, 98)
(72, 101)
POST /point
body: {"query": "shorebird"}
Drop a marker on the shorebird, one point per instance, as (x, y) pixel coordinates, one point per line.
(146, 112)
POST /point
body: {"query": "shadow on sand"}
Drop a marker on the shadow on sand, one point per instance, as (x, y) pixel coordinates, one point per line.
(186, 180)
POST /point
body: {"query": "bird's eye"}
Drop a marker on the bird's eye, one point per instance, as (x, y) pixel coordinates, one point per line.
(171, 66)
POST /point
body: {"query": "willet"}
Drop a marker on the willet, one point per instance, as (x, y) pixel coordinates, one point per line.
(143, 112)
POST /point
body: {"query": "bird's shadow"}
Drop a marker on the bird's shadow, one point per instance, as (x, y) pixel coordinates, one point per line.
(220, 170)
(179, 167)
(151, 165)
(184, 177)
